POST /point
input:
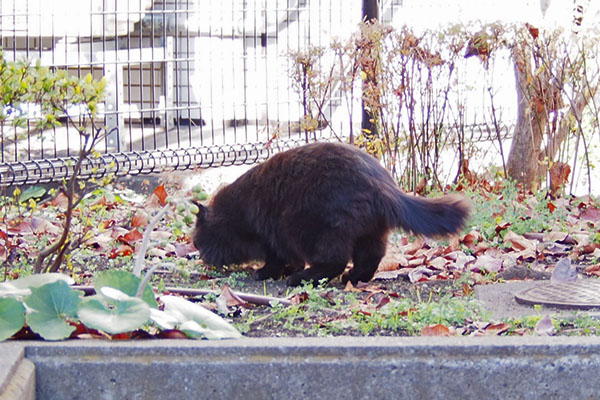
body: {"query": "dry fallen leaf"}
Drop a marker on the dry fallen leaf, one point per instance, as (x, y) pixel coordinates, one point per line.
(420, 274)
(593, 270)
(60, 201)
(161, 194)
(467, 289)
(435, 330)
(118, 231)
(299, 298)
(411, 248)
(130, 237)
(471, 238)
(518, 242)
(391, 261)
(184, 249)
(389, 275)
(139, 220)
(590, 214)
(227, 299)
(121, 250)
(525, 249)
(559, 175)
(497, 329)
(487, 263)
(438, 263)
(160, 235)
(555, 236)
(172, 334)
(461, 260)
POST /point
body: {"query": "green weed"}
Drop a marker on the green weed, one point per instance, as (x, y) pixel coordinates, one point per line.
(408, 316)
(495, 214)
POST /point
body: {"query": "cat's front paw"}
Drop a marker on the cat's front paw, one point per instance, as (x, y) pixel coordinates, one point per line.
(265, 273)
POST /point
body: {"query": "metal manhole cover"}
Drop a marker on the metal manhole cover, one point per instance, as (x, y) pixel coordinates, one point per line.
(579, 294)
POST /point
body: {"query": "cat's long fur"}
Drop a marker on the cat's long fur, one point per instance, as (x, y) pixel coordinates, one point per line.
(322, 204)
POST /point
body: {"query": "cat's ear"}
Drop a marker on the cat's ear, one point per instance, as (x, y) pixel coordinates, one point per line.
(202, 212)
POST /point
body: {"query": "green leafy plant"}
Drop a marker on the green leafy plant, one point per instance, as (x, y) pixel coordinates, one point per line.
(54, 92)
(113, 311)
(53, 309)
(124, 302)
(196, 321)
(12, 317)
(125, 282)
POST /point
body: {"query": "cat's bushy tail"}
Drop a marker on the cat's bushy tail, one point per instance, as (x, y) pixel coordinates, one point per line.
(430, 217)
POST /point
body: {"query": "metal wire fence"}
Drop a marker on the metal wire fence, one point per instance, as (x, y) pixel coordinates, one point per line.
(190, 83)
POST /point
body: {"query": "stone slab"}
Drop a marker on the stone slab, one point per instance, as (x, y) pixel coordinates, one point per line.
(17, 375)
(320, 368)
(293, 368)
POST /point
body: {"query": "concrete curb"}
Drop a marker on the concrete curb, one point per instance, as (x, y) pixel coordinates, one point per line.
(330, 368)
(17, 375)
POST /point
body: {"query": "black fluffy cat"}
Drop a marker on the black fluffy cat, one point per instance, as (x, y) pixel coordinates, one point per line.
(322, 204)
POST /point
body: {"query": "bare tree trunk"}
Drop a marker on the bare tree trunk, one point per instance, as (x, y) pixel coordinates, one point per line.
(542, 122)
(523, 163)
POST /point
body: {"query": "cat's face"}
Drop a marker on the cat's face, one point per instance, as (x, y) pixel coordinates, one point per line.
(222, 241)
